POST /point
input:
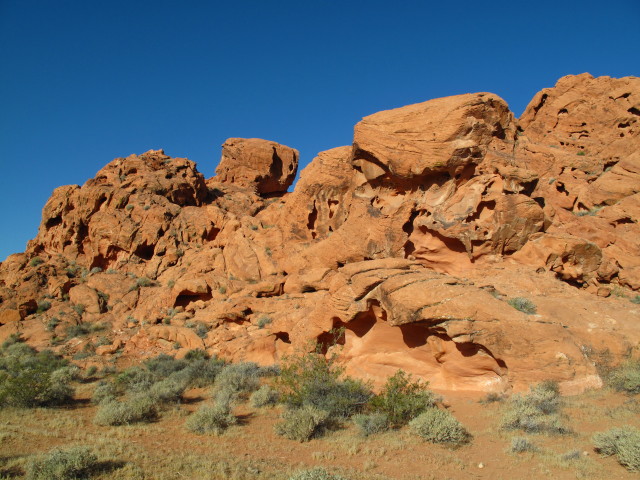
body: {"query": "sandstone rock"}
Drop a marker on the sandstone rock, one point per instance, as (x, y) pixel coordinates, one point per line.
(255, 163)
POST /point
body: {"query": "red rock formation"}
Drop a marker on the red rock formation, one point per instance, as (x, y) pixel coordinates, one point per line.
(412, 240)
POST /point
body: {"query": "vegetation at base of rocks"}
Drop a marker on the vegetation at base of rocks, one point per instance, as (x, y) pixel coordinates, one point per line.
(29, 378)
(237, 380)
(439, 426)
(402, 399)
(303, 423)
(521, 445)
(263, 321)
(636, 299)
(316, 380)
(493, 398)
(63, 464)
(371, 423)
(523, 305)
(79, 308)
(536, 412)
(265, 396)
(316, 473)
(623, 442)
(626, 377)
(43, 306)
(211, 419)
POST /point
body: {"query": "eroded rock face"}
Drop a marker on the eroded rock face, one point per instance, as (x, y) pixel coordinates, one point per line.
(252, 162)
(411, 240)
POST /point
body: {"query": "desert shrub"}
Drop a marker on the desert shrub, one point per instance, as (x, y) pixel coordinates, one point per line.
(104, 392)
(492, 398)
(35, 261)
(43, 306)
(270, 371)
(79, 308)
(370, 423)
(626, 378)
(636, 299)
(521, 445)
(623, 442)
(401, 399)
(439, 426)
(164, 365)
(536, 412)
(263, 321)
(170, 389)
(211, 419)
(264, 396)
(523, 305)
(316, 473)
(239, 378)
(138, 408)
(203, 372)
(302, 424)
(33, 379)
(62, 464)
(135, 379)
(314, 380)
(73, 331)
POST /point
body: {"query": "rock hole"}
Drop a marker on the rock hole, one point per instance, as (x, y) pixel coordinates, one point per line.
(283, 337)
(543, 99)
(52, 222)
(332, 207)
(313, 217)
(186, 297)
(145, 251)
(563, 111)
(211, 235)
(623, 125)
(539, 201)
(560, 188)
(623, 221)
(634, 111)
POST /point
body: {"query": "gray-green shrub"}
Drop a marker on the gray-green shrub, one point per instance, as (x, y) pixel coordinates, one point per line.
(402, 399)
(264, 396)
(439, 426)
(239, 378)
(211, 419)
(521, 445)
(626, 377)
(536, 412)
(523, 305)
(371, 423)
(623, 442)
(302, 424)
(62, 464)
(316, 473)
(138, 408)
(104, 392)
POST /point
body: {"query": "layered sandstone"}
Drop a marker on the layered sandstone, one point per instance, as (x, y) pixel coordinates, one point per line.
(412, 241)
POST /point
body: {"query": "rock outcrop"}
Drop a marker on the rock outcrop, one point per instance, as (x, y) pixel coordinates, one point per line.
(411, 242)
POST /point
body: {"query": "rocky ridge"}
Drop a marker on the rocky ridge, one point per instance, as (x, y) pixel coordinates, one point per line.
(413, 240)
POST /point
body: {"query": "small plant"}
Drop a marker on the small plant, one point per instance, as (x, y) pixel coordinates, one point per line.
(263, 397)
(521, 445)
(263, 321)
(73, 331)
(523, 305)
(171, 283)
(35, 261)
(63, 464)
(43, 306)
(316, 473)
(95, 270)
(143, 282)
(302, 424)
(222, 289)
(202, 330)
(211, 419)
(439, 426)
(79, 308)
(52, 324)
(623, 442)
(626, 377)
(401, 399)
(371, 423)
(239, 378)
(493, 398)
(581, 153)
(636, 300)
(129, 207)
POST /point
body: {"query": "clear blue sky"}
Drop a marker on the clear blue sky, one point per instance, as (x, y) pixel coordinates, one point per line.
(83, 82)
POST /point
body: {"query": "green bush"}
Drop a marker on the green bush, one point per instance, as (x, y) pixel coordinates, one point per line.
(302, 424)
(314, 380)
(63, 464)
(264, 396)
(239, 378)
(35, 261)
(626, 378)
(401, 400)
(33, 379)
(139, 408)
(439, 426)
(170, 389)
(135, 379)
(164, 365)
(104, 392)
(623, 442)
(521, 445)
(211, 419)
(370, 423)
(43, 306)
(523, 305)
(316, 473)
(636, 299)
(536, 412)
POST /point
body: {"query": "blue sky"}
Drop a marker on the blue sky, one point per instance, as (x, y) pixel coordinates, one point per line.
(83, 82)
